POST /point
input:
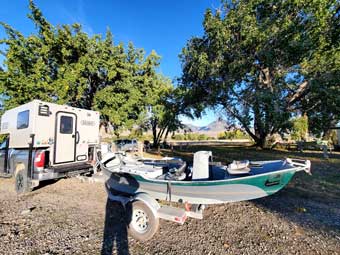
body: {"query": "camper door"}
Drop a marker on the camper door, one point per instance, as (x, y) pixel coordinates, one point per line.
(65, 138)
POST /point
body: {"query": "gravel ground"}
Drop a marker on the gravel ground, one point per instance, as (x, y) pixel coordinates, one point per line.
(74, 217)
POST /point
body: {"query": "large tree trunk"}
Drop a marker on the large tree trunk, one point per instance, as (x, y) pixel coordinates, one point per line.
(166, 135)
(154, 133)
(259, 135)
(259, 126)
(260, 142)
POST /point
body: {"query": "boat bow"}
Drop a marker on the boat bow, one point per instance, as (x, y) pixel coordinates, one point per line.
(301, 165)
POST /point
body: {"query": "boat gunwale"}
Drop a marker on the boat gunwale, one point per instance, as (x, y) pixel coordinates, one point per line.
(212, 182)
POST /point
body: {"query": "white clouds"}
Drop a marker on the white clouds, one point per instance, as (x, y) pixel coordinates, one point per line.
(77, 14)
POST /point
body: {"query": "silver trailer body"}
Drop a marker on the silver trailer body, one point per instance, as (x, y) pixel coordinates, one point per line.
(64, 137)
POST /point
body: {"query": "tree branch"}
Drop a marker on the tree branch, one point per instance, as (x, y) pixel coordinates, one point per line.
(236, 116)
(300, 92)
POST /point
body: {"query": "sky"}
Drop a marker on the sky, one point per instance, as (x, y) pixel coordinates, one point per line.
(163, 26)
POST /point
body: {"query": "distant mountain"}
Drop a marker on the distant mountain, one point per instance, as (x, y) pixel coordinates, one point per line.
(213, 128)
(191, 128)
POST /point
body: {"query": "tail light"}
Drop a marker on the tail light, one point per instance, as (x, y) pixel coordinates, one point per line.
(39, 160)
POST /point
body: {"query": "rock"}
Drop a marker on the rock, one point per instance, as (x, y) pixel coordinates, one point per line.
(27, 211)
(24, 212)
(226, 245)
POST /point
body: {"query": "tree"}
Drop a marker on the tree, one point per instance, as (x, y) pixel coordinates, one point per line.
(123, 101)
(164, 111)
(65, 65)
(258, 60)
(299, 128)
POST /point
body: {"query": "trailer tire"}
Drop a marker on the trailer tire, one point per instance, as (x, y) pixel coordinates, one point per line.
(22, 184)
(144, 222)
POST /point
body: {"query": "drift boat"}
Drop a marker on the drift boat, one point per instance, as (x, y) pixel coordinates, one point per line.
(205, 182)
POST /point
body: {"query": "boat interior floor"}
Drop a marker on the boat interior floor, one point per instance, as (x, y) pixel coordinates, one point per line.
(180, 171)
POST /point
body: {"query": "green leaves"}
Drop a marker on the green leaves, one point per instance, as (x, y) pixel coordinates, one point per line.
(64, 64)
(263, 59)
(299, 128)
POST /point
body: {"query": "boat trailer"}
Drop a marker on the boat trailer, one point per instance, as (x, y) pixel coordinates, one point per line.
(146, 212)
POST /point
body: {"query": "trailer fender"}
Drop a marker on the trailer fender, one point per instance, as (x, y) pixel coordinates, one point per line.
(143, 197)
(148, 200)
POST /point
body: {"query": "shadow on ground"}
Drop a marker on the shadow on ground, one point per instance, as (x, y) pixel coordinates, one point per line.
(307, 213)
(43, 184)
(117, 219)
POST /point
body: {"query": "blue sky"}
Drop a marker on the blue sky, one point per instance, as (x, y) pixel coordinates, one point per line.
(164, 26)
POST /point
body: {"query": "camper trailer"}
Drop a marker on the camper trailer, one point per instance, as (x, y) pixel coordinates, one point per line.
(47, 141)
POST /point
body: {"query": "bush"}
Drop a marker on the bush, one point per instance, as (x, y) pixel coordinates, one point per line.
(202, 137)
(190, 137)
(234, 134)
(221, 136)
(299, 128)
(178, 137)
(136, 133)
(333, 137)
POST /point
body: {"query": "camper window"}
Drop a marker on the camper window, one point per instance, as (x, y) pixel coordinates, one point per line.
(23, 119)
(66, 125)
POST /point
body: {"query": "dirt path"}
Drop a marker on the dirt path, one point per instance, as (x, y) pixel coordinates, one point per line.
(70, 217)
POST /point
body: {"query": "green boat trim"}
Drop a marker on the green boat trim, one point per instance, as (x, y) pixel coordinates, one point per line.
(256, 180)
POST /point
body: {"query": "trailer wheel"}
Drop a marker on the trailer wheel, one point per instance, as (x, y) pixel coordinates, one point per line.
(144, 223)
(21, 181)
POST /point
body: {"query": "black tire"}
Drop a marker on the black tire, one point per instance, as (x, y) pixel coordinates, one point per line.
(138, 228)
(22, 184)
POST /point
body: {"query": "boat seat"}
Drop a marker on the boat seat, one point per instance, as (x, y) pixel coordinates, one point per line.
(175, 176)
(239, 167)
(200, 169)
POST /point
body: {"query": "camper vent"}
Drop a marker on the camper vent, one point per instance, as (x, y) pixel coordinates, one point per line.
(44, 110)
